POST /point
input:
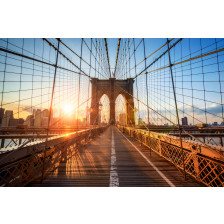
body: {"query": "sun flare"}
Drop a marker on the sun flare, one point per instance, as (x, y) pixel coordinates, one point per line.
(67, 109)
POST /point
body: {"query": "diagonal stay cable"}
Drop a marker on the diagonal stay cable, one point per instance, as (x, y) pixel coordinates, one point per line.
(81, 58)
(65, 56)
(102, 56)
(50, 112)
(93, 54)
(40, 61)
(175, 125)
(121, 58)
(148, 56)
(174, 44)
(125, 58)
(190, 59)
(99, 52)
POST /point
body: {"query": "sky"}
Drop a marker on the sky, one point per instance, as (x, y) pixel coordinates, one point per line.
(198, 83)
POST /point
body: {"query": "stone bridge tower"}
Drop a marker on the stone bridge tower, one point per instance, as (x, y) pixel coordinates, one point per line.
(112, 88)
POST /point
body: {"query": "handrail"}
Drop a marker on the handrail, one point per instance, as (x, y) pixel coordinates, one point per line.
(21, 167)
(206, 166)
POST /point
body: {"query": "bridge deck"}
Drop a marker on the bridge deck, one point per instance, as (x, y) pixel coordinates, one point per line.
(111, 160)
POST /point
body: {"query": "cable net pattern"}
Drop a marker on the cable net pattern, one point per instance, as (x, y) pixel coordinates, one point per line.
(45, 90)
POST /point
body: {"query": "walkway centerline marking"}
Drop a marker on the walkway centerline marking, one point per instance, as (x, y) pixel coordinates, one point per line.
(150, 163)
(114, 180)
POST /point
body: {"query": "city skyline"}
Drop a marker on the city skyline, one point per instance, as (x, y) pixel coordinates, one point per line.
(39, 118)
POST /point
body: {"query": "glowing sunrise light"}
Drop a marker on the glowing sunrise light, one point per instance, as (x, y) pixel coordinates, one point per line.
(67, 109)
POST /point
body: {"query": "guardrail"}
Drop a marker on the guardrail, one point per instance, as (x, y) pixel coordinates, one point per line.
(204, 163)
(36, 159)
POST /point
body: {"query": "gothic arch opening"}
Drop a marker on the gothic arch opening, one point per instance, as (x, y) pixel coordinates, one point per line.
(121, 110)
(112, 88)
(104, 109)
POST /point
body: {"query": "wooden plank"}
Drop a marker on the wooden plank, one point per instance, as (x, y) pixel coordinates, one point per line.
(91, 165)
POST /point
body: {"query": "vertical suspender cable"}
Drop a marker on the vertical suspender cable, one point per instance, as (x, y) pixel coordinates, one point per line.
(77, 114)
(105, 40)
(146, 83)
(177, 114)
(136, 81)
(50, 112)
(118, 47)
(90, 57)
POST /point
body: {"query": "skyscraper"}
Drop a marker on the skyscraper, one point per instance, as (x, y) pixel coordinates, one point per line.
(37, 119)
(14, 122)
(2, 110)
(184, 121)
(7, 116)
(30, 121)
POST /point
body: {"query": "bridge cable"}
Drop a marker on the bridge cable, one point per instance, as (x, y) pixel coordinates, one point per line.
(150, 54)
(136, 81)
(76, 54)
(100, 62)
(118, 48)
(125, 57)
(95, 58)
(77, 114)
(65, 56)
(177, 113)
(188, 60)
(37, 60)
(146, 82)
(50, 112)
(158, 58)
(175, 125)
(105, 40)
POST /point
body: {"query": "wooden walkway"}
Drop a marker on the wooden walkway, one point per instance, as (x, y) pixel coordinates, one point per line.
(113, 160)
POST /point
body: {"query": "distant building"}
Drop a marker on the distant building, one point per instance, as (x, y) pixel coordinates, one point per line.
(2, 110)
(184, 121)
(45, 113)
(14, 122)
(44, 118)
(122, 119)
(215, 123)
(202, 125)
(7, 116)
(37, 118)
(30, 121)
(44, 121)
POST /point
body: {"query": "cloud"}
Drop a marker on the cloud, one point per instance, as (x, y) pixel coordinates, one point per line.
(213, 109)
(29, 109)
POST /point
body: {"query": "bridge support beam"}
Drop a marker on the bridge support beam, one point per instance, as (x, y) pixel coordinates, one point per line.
(112, 88)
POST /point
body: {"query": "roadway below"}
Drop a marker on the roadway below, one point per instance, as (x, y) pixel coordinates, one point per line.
(113, 159)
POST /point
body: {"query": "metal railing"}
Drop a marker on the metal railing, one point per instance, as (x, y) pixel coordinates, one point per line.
(205, 164)
(20, 167)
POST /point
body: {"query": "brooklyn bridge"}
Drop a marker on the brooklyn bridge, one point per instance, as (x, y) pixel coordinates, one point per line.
(112, 112)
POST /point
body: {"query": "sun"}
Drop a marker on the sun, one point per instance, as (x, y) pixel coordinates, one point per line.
(67, 109)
